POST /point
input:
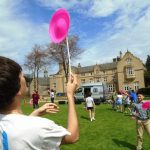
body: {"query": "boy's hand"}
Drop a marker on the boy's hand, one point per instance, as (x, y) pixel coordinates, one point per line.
(71, 85)
(133, 117)
(47, 108)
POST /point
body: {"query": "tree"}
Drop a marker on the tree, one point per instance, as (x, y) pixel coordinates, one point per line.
(58, 52)
(28, 79)
(147, 72)
(147, 64)
(35, 61)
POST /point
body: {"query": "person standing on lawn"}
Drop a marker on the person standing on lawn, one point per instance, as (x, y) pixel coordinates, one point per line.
(90, 106)
(142, 120)
(22, 132)
(113, 98)
(119, 102)
(52, 95)
(35, 99)
(126, 102)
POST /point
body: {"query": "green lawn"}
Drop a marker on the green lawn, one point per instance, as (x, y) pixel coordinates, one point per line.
(110, 131)
(147, 98)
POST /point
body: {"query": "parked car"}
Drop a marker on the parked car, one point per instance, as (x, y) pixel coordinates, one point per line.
(60, 94)
(99, 92)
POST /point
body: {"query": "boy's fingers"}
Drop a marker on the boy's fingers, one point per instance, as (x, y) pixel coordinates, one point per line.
(75, 79)
(52, 105)
(52, 111)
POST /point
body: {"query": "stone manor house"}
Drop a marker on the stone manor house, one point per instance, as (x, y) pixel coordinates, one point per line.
(124, 72)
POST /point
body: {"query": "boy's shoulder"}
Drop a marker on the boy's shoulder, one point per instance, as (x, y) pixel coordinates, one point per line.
(26, 119)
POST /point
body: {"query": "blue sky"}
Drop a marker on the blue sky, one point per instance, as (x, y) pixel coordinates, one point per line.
(105, 27)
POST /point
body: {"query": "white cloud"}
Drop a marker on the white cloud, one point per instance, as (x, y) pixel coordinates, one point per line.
(129, 29)
(68, 4)
(18, 34)
(102, 8)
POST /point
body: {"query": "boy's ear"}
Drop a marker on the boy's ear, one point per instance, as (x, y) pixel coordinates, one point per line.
(19, 93)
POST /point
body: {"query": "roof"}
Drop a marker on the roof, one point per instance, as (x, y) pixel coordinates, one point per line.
(108, 66)
(86, 69)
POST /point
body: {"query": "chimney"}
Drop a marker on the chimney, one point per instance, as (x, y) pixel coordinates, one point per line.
(79, 65)
(118, 58)
(114, 60)
(120, 54)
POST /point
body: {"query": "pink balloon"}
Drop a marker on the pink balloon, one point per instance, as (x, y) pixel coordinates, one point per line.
(59, 25)
(146, 105)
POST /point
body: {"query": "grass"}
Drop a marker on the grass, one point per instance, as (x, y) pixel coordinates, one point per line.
(147, 98)
(111, 130)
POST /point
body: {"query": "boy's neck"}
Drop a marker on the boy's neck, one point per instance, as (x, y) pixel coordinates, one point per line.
(11, 111)
(14, 108)
(140, 101)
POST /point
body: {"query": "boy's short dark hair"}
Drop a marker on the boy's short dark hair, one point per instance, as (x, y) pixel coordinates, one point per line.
(140, 92)
(9, 81)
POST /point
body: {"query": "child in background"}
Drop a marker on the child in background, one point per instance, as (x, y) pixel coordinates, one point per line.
(52, 95)
(90, 105)
(119, 102)
(126, 103)
(114, 96)
(35, 98)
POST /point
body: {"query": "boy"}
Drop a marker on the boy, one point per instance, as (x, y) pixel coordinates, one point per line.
(142, 120)
(18, 131)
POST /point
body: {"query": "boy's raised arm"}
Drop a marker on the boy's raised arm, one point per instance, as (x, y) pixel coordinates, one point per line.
(72, 125)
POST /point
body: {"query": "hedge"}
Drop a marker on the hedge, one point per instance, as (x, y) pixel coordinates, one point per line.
(144, 91)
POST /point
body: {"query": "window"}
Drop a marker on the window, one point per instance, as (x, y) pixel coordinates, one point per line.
(79, 90)
(82, 74)
(95, 90)
(101, 79)
(113, 71)
(113, 78)
(128, 61)
(97, 79)
(129, 71)
(110, 87)
(91, 80)
(136, 86)
(54, 85)
(97, 71)
(83, 80)
(105, 79)
(126, 87)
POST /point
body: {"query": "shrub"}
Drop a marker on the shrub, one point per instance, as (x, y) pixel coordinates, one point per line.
(144, 91)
